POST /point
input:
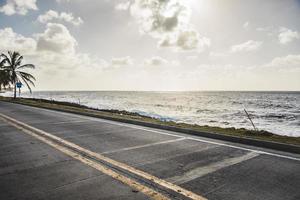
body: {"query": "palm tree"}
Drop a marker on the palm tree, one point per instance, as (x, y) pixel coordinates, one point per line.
(4, 79)
(12, 64)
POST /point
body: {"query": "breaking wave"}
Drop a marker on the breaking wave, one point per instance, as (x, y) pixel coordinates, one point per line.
(278, 112)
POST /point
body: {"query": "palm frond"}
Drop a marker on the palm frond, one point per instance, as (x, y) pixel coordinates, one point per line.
(28, 86)
(2, 63)
(27, 75)
(31, 66)
(19, 61)
(6, 58)
(10, 53)
(14, 57)
(6, 68)
(29, 81)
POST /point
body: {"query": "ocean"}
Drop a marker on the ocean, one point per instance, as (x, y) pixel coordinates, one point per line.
(277, 112)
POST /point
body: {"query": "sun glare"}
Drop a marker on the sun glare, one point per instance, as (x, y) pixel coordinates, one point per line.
(195, 3)
(198, 5)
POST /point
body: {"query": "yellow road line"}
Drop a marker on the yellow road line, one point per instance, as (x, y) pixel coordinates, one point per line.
(127, 181)
(133, 170)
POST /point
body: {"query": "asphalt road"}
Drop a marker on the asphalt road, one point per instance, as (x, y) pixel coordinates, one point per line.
(33, 169)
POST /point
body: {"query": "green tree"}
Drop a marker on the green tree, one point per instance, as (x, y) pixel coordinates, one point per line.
(4, 77)
(12, 64)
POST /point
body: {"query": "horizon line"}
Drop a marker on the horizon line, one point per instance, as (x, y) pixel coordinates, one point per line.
(166, 91)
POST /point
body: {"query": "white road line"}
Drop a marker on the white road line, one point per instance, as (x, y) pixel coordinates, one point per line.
(246, 149)
(175, 156)
(90, 162)
(199, 140)
(169, 134)
(201, 171)
(56, 142)
(143, 146)
(56, 123)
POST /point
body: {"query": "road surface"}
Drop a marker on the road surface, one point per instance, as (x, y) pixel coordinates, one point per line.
(47, 154)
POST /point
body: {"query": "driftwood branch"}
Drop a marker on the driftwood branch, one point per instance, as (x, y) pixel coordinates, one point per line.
(250, 120)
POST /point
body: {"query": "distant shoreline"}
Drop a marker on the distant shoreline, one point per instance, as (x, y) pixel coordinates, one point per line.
(117, 114)
(266, 91)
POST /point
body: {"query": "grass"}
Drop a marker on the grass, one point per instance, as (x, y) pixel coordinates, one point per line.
(116, 114)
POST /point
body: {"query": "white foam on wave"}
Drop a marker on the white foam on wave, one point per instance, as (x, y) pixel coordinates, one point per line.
(277, 112)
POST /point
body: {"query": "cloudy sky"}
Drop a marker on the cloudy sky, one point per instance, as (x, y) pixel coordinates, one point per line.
(156, 44)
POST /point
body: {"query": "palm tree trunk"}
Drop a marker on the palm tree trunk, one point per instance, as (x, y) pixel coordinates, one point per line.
(15, 90)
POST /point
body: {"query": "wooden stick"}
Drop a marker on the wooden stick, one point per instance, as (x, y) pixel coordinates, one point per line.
(250, 120)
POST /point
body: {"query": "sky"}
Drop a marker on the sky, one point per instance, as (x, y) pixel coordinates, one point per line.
(156, 45)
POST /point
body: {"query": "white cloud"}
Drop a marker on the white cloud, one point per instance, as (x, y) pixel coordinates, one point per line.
(121, 61)
(123, 5)
(57, 62)
(160, 16)
(169, 22)
(265, 29)
(286, 35)
(9, 40)
(246, 25)
(20, 7)
(289, 62)
(53, 15)
(269, 30)
(192, 57)
(190, 39)
(155, 61)
(159, 61)
(51, 51)
(247, 46)
(185, 40)
(218, 54)
(56, 38)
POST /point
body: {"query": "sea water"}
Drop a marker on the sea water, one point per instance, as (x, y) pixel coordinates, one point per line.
(277, 112)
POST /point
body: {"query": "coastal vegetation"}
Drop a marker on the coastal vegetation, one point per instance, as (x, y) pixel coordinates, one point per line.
(4, 79)
(125, 115)
(13, 72)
